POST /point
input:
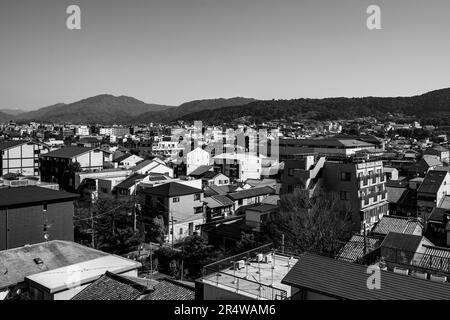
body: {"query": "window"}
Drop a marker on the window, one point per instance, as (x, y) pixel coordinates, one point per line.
(290, 172)
(197, 197)
(181, 231)
(176, 199)
(240, 202)
(346, 176)
(345, 195)
(44, 207)
(198, 209)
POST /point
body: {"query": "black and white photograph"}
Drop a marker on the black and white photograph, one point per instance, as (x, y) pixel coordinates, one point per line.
(224, 157)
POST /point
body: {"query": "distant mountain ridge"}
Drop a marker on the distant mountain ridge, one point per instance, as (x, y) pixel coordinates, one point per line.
(190, 107)
(108, 109)
(99, 109)
(13, 112)
(432, 106)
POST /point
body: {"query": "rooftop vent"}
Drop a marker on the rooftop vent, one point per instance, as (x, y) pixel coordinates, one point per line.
(38, 261)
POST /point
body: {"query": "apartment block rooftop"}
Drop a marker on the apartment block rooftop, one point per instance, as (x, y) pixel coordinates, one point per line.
(255, 274)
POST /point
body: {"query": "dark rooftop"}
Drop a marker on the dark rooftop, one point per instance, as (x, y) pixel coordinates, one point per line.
(172, 189)
(200, 171)
(402, 241)
(68, 152)
(130, 181)
(248, 193)
(432, 181)
(9, 144)
(32, 194)
(345, 280)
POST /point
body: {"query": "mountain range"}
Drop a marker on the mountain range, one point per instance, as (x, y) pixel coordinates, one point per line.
(108, 109)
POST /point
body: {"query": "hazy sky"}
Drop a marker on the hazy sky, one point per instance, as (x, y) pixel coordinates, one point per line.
(172, 51)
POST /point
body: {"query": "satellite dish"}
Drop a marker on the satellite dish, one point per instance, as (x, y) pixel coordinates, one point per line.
(46, 236)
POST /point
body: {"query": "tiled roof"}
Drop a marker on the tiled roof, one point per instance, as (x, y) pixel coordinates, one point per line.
(347, 280)
(396, 224)
(354, 248)
(32, 194)
(112, 287)
(68, 152)
(218, 201)
(248, 193)
(172, 189)
(169, 289)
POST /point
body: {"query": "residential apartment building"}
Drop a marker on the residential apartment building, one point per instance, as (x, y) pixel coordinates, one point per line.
(20, 157)
(360, 186)
(240, 166)
(180, 205)
(55, 165)
(302, 173)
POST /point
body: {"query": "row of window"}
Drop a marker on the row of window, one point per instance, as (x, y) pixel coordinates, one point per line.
(197, 197)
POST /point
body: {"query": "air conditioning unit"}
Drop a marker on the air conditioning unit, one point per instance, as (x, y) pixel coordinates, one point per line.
(401, 271)
(420, 275)
(259, 257)
(240, 264)
(438, 278)
(268, 258)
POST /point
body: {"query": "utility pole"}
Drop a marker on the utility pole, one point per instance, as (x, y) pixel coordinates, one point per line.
(173, 230)
(92, 228)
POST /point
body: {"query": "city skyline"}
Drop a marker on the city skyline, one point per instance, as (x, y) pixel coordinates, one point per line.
(170, 52)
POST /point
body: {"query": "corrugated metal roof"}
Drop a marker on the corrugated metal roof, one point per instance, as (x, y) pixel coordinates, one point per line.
(347, 280)
(436, 258)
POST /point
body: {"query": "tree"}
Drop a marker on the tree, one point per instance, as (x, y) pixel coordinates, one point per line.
(196, 253)
(249, 241)
(110, 224)
(68, 176)
(156, 229)
(316, 224)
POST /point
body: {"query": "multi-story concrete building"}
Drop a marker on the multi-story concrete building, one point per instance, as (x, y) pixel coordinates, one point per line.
(360, 186)
(302, 173)
(55, 165)
(20, 157)
(241, 166)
